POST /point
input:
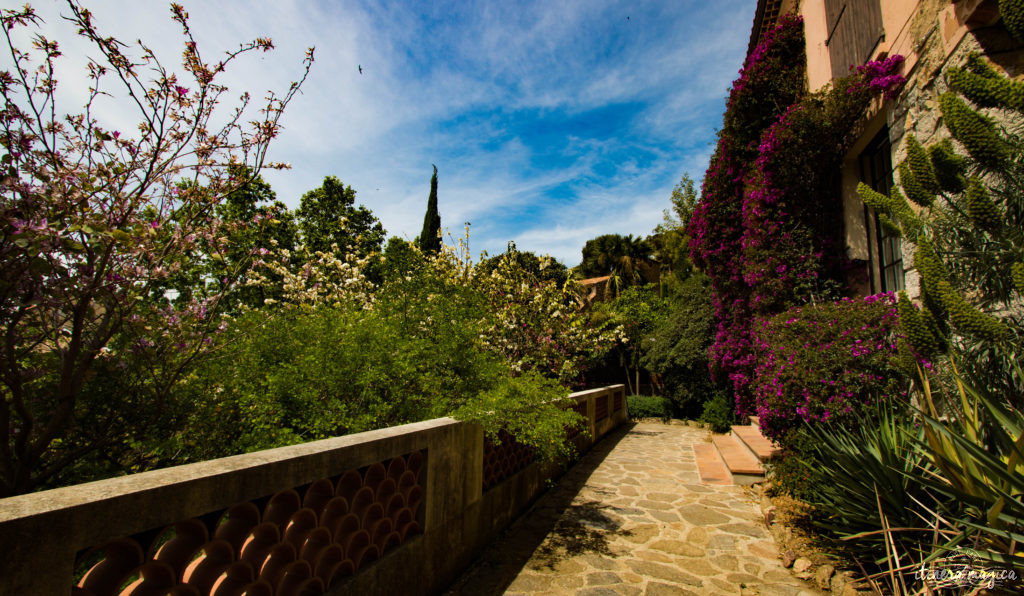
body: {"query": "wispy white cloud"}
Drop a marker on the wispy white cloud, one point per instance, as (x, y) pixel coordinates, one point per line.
(550, 122)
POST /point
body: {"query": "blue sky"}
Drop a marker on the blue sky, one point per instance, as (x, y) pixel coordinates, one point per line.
(549, 122)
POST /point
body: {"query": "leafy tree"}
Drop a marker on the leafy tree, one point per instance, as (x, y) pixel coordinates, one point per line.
(676, 349)
(256, 224)
(627, 259)
(427, 348)
(93, 219)
(543, 268)
(670, 241)
(430, 237)
(401, 258)
(638, 310)
(328, 216)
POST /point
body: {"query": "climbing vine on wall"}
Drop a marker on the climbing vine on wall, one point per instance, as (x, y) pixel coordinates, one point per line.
(768, 229)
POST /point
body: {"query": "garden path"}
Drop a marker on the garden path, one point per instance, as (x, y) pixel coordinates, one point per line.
(632, 517)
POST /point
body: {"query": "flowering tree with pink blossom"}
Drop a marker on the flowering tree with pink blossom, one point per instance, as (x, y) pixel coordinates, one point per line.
(94, 221)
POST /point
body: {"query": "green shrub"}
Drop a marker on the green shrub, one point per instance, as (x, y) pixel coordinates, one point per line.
(677, 346)
(649, 406)
(789, 474)
(719, 413)
(300, 374)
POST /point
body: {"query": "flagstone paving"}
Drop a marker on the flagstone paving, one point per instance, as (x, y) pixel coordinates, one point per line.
(632, 518)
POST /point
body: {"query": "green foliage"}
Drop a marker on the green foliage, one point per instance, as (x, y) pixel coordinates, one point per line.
(625, 258)
(719, 412)
(328, 217)
(975, 131)
(96, 226)
(967, 319)
(532, 408)
(789, 473)
(535, 324)
(947, 166)
(921, 167)
(1012, 12)
(982, 211)
(964, 452)
(545, 269)
(967, 243)
(301, 374)
(866, 477)
(669, 240)
(914, 189)
(894, 208)
(648, 406)
(978, 449)
(921, 336)
(676, 347)
(637, 310)
(981, 84)
(430, 237)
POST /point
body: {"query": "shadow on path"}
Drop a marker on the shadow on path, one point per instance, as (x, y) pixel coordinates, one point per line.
(571, 529)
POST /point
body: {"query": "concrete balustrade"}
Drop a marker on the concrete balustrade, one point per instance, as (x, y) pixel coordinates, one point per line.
(396, 510)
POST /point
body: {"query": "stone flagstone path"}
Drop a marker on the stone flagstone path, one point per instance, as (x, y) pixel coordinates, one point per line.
(633, 518)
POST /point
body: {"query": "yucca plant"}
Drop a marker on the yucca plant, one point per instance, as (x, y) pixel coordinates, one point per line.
(869, 478)
(978, 452)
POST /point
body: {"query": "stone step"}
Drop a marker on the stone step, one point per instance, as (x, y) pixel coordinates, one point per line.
(758, 444)
(755, 421)
(709, 466)
(742, 464)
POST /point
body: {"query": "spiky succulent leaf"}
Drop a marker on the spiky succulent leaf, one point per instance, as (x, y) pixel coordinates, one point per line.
(890, 226)
(1017, 270)
(975, 131)
(920, 337)
(915, 191)
(929, 266)
(932, 325)
(967, 319)
(979, 66)
(1012, 12)
(981, 84)
(947, 166)
(921, 166)
(980, 207)
(873, 198)
(905, 214)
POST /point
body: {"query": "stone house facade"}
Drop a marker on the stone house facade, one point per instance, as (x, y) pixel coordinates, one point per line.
(931, 35)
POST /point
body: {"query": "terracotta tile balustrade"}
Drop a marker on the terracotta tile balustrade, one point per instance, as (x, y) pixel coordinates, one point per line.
(397, 510)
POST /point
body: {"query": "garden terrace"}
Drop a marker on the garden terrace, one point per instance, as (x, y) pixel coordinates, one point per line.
(396, 510)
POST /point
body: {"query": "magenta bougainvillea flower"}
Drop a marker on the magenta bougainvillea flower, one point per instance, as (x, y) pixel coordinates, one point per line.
(768, 228)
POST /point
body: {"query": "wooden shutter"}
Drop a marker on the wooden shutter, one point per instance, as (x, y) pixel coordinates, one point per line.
(854, 29)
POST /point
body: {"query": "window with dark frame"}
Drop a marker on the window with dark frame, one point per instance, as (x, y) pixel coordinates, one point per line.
(876, 172)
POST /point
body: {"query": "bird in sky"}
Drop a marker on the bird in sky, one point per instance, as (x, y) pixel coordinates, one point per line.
(360, 69)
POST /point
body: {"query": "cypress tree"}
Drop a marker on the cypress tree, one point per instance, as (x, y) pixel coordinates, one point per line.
(430, 238)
